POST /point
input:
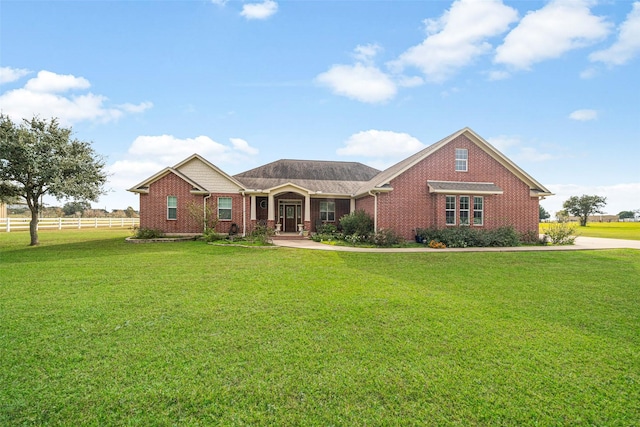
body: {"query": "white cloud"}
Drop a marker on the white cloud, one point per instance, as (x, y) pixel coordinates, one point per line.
(168, 150)
(560, 26)
(45, 96)
(518, 151)
(365, 83)
(584, 115)
(262, 10)
(219, 2)
(48, 82)
(457, 38)
(366, 53)
(380, 143)
(628, 44)
(243, 146)
(8, 74)
(136, 108)
(504, 142)
(620, 197)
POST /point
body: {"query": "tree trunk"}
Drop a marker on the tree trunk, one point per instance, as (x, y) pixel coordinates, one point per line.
(33, 228)
(583, 221)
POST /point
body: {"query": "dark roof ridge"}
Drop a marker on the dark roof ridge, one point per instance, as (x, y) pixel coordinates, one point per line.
(328, 170)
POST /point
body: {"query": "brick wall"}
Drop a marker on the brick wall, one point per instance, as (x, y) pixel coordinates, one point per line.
(410, 204)
(153, 207)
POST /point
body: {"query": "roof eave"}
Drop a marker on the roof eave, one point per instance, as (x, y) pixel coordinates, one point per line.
(473, 192)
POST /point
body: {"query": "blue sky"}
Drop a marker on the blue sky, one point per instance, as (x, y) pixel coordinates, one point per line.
(553, 84)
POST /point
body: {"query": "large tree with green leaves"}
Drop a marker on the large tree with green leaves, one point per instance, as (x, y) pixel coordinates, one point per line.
(584, 206)
(40, 158)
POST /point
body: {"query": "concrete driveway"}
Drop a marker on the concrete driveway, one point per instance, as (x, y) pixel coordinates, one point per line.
(582, 243)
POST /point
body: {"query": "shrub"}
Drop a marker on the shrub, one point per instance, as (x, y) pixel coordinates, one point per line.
(463, 237)
(502, 237)
(262, 234)
(561, 233)
(357, 223)
(147, 233)
(210, 235)
(386, 238)
(327, 228)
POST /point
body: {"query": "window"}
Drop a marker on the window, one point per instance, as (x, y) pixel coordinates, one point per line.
(327, 211)
(451, 210)
(462, 159)
(464, 210)
(172, 207)
(224, 208)
(478, 210)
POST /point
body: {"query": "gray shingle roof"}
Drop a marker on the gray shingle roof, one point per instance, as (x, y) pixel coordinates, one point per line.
(464, 187)
(326, 176)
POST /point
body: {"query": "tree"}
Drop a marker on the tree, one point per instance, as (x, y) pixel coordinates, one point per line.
(130, 212)
(584, 206)
(39, 158)
(71, 208)
(544, 214)
(626, 215)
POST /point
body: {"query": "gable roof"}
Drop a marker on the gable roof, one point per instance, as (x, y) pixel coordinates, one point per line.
(143, 187)
(199, 188)
(382, 181)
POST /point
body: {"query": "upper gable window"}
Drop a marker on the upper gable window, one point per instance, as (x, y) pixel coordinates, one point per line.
(462, 159)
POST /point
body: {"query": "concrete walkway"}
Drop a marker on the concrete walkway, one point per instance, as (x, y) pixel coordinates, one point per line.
(582, 243)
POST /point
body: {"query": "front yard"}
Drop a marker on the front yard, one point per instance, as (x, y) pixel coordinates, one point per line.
(95, 331)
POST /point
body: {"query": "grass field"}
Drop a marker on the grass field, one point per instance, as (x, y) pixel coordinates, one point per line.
(94, 331)
(611, 230)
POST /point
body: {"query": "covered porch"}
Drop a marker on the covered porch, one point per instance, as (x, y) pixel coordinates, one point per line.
(291, 209)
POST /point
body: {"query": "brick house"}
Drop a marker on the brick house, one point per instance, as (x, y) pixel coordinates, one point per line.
(459, 181)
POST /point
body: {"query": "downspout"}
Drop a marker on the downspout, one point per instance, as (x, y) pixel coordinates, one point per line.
(204, 212)
(375, 211)
(244, 214)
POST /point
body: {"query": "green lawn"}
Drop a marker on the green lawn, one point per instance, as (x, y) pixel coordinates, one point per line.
(611, 230)
(95, 331)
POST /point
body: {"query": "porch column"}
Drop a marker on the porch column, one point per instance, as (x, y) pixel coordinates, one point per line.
(253, 208)
(271, 209)
(352, 205)
(307, 208)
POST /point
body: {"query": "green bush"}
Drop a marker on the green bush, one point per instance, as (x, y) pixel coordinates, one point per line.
(463, 237)
(147, 233)
(210, 235)
(561, 233)
(262, 234)
(502, 237)
(386, 238)
(357, 223)
(327, 228)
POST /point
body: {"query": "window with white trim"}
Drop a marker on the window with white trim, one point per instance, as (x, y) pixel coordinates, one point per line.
(464, 210)
(172, 207)
(224, 208)
(327, 211)
(478, 210)
(450, 210)
(462, 159)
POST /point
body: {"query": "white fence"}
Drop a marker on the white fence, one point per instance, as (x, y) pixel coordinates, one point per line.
(22, 224)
